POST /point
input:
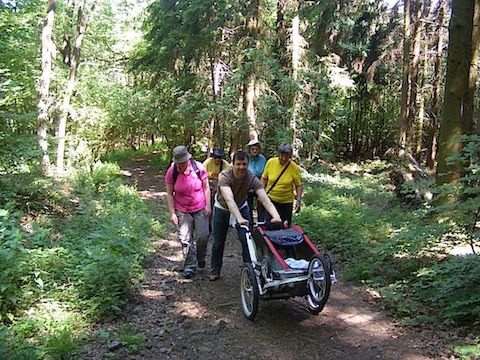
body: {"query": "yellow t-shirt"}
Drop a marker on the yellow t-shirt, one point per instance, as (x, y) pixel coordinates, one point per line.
(213, 169)
(283, 190)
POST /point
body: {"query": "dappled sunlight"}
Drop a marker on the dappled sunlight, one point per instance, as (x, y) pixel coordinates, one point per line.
(152, 294)
(152, 195)
(166, 273)
(190, 308)
(50, 314)
(359, 318)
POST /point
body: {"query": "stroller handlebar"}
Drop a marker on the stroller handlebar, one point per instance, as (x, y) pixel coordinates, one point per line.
(266, 225)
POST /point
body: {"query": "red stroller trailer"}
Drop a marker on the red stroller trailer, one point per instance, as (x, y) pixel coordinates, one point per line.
(284, 264)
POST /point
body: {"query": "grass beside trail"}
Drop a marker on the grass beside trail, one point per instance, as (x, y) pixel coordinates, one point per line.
(71, 254)
(401, 252)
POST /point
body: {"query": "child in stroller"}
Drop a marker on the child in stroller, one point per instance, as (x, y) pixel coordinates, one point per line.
(284, 264)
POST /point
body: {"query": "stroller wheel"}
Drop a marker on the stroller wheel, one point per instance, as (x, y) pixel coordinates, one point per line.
(249, 293)
(318, 284)
(314, 308)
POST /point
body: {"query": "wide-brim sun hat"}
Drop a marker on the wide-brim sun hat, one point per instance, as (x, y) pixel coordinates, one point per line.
(285, 148)
(181, 154)
(218, 153)
(254, 142)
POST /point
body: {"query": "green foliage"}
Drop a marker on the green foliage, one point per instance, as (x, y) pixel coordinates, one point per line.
(452, 286)
(400, 252)
(462, 212)
(18, 153)
(11, 254)
(12, 348)
(129, 336)
(81, 266)
(61, 346)
(19, 34)
(468, 352)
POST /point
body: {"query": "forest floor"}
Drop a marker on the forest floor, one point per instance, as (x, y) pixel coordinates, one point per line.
(199, 319)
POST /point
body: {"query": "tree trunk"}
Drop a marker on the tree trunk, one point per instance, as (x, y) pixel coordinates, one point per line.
(217, 72)
(421, 103)
(411, 60)
(297, 43)
(44, 88)
(82, 24)
(281, 35)
(435, 113)
(460, 84)
(406, 83)
(250, 85)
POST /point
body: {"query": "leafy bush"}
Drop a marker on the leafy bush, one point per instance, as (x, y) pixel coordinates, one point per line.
(453, 287)
(464, 211)
(18, 153)
(13, 348)
(400, 252)
(12, 253)
(62, 270)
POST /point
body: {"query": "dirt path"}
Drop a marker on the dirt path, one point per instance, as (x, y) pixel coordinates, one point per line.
(185, 319)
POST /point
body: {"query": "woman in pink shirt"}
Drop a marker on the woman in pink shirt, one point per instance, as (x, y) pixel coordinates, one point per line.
(188, 198)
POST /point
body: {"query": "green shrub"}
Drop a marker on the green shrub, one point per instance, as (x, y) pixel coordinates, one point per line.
(61, 346)
(12, 254)
(13, 348)
(18, 153)
(401, 252)
(451, 286)
(81, 261)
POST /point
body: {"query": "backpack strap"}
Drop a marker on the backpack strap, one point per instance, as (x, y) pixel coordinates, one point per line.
(279, 176)
(195, 169)
(175, 174)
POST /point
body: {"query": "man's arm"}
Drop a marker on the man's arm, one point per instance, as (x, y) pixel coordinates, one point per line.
(171, 209)
(232, 205)
(264, 182)
(267, 203)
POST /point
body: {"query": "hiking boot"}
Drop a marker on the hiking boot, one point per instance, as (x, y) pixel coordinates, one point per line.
(214, 275)
(188, 273)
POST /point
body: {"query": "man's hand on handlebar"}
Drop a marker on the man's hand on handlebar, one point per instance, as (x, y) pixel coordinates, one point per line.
(242, 221)
(276, 220)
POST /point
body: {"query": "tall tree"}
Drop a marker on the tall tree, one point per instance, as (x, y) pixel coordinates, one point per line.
(44, 89)
(457, 118)
(414, 10)
(298, 47)
(251, 86)
(437, 72)
(82, 11)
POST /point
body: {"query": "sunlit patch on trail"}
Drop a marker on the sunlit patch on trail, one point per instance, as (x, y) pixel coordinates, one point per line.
(151, 195)
(191, 309)
(152, 294)
(355, 319)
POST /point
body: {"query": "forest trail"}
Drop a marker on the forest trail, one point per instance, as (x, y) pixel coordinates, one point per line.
(199, 319)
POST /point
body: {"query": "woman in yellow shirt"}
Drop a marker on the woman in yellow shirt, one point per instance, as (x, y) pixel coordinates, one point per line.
(214, 165)
(283, 183)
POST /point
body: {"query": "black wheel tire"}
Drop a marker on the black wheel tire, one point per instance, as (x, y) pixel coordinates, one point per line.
(249, 293)
(313, 308)
(328, 261)
(318, 284)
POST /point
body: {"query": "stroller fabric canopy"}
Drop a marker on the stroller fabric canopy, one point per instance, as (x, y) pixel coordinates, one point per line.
(285, 237)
